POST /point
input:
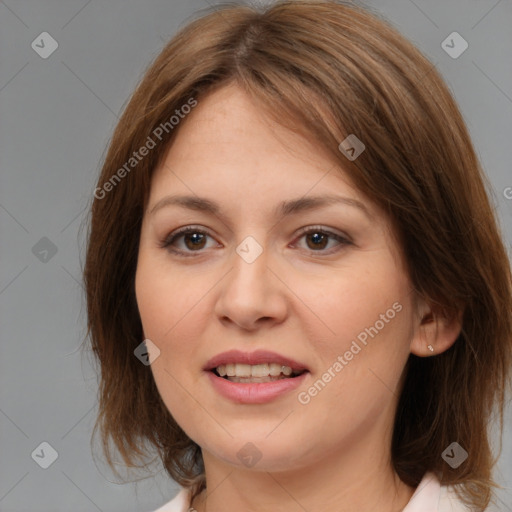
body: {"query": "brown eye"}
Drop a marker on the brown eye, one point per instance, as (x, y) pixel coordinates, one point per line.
(318, 238)
(194, 240)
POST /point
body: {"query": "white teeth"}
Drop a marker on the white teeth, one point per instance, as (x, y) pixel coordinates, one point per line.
(243, 370)
(257, 370)
(274, 369)
(287, 370)
(255, 379)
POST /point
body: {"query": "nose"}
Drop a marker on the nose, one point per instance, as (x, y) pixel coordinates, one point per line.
(252, 293)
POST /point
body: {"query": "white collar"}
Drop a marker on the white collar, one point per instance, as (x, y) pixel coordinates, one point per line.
(429, 496)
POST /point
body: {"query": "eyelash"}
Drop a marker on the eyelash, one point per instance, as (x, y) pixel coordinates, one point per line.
(169, 240)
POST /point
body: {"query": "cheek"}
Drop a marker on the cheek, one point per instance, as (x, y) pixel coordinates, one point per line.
(370, 316)
(349, 394)
(164, 297)
(364, 306)
(164, 305)
(171, 306)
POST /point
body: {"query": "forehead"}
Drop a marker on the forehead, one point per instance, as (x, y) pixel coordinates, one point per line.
(249, 168)
(229, 140)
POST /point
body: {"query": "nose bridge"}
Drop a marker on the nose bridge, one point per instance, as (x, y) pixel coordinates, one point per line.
(250, 250)
(250, 291)
(250, 265)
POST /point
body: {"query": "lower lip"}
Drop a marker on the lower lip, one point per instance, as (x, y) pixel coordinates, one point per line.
(254, 392)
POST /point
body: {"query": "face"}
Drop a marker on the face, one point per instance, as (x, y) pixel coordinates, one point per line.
(323, 286)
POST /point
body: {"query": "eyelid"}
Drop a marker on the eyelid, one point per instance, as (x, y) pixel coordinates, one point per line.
(183, 231)
(323, 229)
(342, 238)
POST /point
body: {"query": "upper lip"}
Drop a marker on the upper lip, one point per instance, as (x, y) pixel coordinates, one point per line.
(252, 358)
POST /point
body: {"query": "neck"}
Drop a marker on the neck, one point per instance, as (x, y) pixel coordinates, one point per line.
(337, 483)
(352, 474)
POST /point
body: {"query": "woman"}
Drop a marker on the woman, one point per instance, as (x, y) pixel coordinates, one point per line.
(269, 367)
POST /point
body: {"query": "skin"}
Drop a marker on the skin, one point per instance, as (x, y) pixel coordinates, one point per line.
(301, 298)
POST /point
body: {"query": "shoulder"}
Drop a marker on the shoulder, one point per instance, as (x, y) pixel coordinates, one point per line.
(180, 502)
(429, 493)
(449, 501)
(431, 496)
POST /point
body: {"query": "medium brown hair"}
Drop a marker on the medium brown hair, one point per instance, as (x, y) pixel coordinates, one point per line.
(324, 69)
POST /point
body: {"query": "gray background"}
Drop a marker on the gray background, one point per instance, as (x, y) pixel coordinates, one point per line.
(56, 116)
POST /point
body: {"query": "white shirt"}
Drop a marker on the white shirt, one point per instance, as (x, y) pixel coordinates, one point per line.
(429, 496)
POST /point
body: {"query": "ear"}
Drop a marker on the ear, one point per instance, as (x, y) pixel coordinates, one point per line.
(436, 330)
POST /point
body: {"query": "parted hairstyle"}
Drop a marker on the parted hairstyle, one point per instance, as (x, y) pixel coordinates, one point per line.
(324, 69)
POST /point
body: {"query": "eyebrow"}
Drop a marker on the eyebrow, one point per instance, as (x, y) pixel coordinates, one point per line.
(284, 208)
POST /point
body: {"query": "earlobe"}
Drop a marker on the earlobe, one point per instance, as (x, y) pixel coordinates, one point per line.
(436, 331)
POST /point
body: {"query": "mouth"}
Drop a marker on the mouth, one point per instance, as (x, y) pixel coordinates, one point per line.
(245, 388)
(266, 372)
(259, 366)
